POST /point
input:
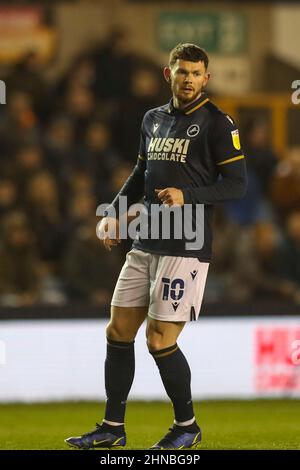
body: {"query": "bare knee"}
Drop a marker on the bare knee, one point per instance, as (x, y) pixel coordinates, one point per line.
(125, 323)
(161, 335)
(117, 333)
(157, 341)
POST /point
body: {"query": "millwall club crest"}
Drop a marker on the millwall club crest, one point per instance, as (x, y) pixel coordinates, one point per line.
(193, 130)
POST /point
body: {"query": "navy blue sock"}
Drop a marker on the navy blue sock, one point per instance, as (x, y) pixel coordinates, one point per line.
(119, 373)
(176, 376)
(116, 430)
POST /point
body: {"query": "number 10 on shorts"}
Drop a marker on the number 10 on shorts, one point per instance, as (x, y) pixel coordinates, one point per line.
(174, 288)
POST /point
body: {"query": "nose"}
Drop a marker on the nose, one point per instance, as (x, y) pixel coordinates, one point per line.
(188, 78)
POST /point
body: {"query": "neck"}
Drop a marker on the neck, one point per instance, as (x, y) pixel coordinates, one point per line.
(180, 105)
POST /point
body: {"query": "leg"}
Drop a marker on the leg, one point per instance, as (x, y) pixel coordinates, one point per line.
(120, 362)
(173, 367)
(162, 334)
(119, 372)
(125, 322)
(175, 298)
(176, 377)
(129, 307)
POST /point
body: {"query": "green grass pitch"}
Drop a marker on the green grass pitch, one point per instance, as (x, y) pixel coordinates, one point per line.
(258, 424)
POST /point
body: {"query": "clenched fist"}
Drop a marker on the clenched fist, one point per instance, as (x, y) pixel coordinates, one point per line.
(170, 196)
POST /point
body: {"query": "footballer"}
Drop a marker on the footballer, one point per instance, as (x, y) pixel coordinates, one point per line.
(189, 154)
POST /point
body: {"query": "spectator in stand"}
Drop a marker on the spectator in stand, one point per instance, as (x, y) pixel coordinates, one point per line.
(19, 285)
(82, 72)
(81, 183)
(224, 253)
(261, 158)
(61, 151)
(8, 196)
(82, 207)
(29, 161)
(79, 107)
(261, 161)
(285, 183)
(99, 158)
(290, 249)
(86, 265)
(260, 274)
(114, 64)
(251, 208)
(144, 94)
(19, 125)
(47, 219)
(27, 77)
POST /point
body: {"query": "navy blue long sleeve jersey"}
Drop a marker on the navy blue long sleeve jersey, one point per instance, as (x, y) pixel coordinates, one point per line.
(197, 150)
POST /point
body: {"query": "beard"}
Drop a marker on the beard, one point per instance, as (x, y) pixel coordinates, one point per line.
(185, 98)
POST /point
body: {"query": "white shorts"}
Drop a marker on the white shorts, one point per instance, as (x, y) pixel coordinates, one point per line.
(171, 287)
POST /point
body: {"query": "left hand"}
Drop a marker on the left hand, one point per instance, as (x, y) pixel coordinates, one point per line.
(170, 196)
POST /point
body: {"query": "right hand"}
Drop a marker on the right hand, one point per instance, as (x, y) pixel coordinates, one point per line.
(108, 232)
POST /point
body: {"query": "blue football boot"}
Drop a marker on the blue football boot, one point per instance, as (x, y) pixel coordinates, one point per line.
(178, 438)
(96, 439)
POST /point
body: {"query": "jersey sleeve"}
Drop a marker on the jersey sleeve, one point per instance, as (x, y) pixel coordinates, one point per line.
(142, 148)
(230, 162)
(225, 141)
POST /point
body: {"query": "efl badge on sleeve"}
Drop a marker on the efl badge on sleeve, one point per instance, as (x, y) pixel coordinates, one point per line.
(236, 139)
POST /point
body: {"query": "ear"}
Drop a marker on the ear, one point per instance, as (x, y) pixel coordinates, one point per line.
(167, 74)
(207, 77)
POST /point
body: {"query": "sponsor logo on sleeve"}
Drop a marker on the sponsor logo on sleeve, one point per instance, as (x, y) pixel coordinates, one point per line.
(236, 139)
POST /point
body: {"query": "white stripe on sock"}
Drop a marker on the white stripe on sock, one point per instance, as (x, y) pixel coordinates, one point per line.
(112, 423)
(185, 423)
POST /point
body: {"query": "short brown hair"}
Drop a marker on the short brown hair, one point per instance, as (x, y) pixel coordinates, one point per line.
(190, 52)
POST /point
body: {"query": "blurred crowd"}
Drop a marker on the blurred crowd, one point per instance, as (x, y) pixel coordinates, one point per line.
(257, 239)
(68, 145)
